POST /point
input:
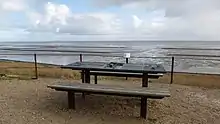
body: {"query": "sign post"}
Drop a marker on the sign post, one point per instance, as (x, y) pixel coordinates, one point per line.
(127, 56)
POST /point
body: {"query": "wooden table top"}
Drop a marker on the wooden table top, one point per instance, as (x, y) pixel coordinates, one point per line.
(116, 67)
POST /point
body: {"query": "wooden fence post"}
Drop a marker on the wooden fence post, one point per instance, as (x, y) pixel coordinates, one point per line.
(172, 71)
(35, 63)
(82, 73)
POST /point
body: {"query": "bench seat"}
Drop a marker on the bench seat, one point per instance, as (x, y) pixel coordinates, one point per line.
(113, 90)
(142, 92)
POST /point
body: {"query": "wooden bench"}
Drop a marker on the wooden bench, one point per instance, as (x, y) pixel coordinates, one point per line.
(143, 92)
(121, 74)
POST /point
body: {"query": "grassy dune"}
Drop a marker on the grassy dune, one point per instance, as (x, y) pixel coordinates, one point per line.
(25, 70)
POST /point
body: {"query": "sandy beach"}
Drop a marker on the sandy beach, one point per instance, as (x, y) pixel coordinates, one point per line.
(30, 101)
(195, 99)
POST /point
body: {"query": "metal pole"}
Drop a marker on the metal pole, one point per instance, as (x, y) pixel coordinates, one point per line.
(126, 60)
(172, 68)
(35, 63)
(80, 58)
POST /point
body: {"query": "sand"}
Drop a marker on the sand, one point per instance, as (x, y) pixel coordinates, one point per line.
(30, 101)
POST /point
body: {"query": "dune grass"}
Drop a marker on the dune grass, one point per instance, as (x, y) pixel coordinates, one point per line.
(26, 70)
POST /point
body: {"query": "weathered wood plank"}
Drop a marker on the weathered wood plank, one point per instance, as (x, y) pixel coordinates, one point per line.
(113, 90)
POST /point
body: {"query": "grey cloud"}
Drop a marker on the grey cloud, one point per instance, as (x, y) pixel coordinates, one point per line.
(79, 26)
(182, 18)
(84, 25)
(62, 20)
(36, 5)
(190, 7)
(106, 3)
(173, 8)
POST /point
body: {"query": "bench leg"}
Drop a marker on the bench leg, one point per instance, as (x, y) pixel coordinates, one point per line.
(95, 76)
(71, 100)
(143, 113)
(144, 99)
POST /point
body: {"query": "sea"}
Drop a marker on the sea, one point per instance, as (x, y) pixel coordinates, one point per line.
(189, 56)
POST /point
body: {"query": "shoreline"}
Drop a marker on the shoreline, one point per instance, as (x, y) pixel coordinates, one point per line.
(188, 48)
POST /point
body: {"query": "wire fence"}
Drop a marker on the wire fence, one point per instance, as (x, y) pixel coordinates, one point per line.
(82, 56)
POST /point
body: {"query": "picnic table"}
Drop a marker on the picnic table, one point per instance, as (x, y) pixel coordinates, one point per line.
(89, 68)
(145, 69)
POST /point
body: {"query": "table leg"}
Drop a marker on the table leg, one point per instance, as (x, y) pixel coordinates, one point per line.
(96, 80)
(83, 76)
(145, 80)
(87, 80)
(143, 113)
(87, 76)
(83, 81)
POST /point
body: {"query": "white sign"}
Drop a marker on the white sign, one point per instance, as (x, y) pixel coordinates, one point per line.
(127, 55)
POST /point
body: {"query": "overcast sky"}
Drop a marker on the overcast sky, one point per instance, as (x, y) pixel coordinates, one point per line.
(24, 20)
